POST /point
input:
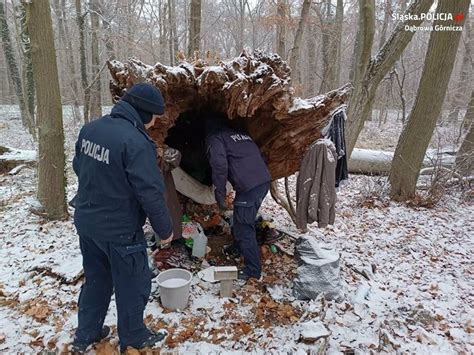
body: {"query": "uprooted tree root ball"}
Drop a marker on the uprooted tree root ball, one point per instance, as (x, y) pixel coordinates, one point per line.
(253, 88)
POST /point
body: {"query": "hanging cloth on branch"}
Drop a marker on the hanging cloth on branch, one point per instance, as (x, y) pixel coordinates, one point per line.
(337, 135)
(315, 186)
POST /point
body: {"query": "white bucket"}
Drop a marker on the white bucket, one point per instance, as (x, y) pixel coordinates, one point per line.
(174, 288)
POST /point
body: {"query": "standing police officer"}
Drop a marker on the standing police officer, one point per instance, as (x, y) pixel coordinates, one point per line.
(119, 186)
(234, 156)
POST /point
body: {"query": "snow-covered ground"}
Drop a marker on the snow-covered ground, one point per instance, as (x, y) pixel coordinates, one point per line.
(418, 297)
(385, 136)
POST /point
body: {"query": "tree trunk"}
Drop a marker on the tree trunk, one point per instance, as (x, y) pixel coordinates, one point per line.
(80, 19)
(401, 88)
(96, 96)
(416, 135)
(164, 32)
(338, 42)
(312, 63)
(331, 45)
(107, 26)
(27, 75)
(173, 38)
(13, 67)
(194, 28)
(364, 41)
(51, 157)
(465, 156)
(282, 16)
(387, 85)
(368, 77)
(295, 51)
(240, 42)
(386, 19)
(253, 90)
(461, 91)
(65, 41)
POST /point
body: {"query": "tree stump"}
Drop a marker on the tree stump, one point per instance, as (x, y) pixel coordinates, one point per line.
(254, 89)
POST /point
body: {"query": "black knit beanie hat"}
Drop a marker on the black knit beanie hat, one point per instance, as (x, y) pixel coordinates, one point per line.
(146, 99)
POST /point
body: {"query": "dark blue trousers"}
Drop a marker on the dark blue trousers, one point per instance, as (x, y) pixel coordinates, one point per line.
(111, 266)
(246, 205)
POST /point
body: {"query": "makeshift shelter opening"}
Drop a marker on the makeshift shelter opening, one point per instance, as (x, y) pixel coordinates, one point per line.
(188, 136)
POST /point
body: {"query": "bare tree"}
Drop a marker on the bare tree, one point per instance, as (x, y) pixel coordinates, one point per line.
(331, 44)
(387, 84)
(311, 62)
(173, 37)
(96, 97)
(194, 27)
(14, 72)
(369, 72)
(465, 156)
(401, 87)
(106, 16)
(465, 75)
(295, 50)
(80, 19)
(282, 15)
(416, 135)
(65, 42)
(51, 157)
(363, 47)
(27, 70)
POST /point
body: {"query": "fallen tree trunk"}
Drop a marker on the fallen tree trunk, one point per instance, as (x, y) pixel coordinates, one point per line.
(378, 162)
(13, 160)
(253, 88)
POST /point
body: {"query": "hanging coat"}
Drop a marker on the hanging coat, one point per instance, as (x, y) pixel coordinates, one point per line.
(315, 186)
(337, 135)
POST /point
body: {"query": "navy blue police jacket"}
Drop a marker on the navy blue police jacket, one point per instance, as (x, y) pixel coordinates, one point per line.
(120, 183)
(234, 156)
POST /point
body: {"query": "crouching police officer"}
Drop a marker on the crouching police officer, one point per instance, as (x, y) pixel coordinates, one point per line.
(119, 186)
(234, 156)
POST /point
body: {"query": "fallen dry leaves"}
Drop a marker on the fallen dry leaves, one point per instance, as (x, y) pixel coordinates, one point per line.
(39, 311)
(52, 343)
(189, 329)
(132, 351)
(106, 348)
(38, 342)
(270, 313)
(8, 300)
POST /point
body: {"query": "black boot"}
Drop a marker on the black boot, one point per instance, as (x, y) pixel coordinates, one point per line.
(231, 251)
(80, 348)
(153, 339)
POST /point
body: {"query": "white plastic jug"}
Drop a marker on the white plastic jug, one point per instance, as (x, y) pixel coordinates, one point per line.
(199, 244)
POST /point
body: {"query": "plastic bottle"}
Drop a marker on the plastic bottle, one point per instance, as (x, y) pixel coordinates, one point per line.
(199, 244)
